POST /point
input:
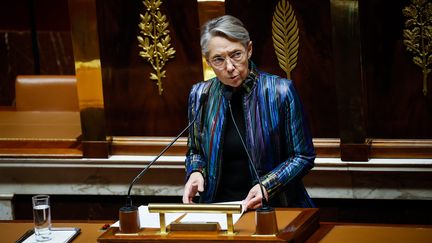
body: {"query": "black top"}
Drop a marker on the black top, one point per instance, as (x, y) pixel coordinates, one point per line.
(235, 179)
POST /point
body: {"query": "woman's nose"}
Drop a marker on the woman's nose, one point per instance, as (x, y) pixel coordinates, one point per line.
(229, 65)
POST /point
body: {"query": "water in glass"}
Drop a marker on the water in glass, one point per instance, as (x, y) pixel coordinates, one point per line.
(42, 219)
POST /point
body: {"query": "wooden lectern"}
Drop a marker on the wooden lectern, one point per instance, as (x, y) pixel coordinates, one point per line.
(294, 224)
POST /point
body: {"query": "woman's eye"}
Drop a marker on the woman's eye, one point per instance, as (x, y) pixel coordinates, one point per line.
(218, 60)
(236, 55)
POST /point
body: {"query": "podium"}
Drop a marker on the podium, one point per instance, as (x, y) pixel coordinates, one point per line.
(294, 225)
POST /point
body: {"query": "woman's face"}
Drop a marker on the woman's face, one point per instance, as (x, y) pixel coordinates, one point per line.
(229, 60)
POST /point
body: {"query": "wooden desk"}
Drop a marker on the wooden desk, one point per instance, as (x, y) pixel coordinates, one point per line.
(295, 225)
(371, 233)
(40, 124)
(10, 231)
(38, 134)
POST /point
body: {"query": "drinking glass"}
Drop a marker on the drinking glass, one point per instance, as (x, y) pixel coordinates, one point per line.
(42, 217)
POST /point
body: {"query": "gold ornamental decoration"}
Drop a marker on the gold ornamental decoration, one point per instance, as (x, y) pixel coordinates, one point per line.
(418, 35)
(285, 36)
(154, 40)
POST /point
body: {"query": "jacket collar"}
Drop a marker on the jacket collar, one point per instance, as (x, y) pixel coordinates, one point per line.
(251, 79)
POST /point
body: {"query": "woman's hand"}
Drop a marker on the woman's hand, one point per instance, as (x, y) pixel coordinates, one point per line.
(254, 198)
(193, 185)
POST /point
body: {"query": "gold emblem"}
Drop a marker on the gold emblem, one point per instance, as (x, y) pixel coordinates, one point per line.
(285, 36)
(154, 40)
(418, 35)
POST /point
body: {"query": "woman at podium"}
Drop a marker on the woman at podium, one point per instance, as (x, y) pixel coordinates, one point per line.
(244, 103)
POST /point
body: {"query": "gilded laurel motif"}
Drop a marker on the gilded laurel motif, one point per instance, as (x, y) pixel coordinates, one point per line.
(154, 40)
(285, 36)
(418, 35)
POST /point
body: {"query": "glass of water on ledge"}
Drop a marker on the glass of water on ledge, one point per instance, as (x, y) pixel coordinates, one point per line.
(42, 217)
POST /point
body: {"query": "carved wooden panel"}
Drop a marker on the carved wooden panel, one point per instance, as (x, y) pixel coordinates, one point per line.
(133, 106)
(314, 73)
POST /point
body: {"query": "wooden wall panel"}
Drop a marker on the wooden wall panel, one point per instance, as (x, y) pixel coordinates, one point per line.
(397, 108)
(314, 74)
(133, 105)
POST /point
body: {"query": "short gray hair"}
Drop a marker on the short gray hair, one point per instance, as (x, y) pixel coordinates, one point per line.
(225, 26)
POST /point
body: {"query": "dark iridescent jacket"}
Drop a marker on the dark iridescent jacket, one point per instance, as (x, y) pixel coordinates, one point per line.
(277, 136)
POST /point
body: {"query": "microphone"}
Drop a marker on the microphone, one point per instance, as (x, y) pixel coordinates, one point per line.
(266, 223)
(129, 207)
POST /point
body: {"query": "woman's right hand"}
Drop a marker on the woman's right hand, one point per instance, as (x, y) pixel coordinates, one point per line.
(193, 185)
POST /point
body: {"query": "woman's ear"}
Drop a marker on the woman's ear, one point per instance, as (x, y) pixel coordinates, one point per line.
(249, 49)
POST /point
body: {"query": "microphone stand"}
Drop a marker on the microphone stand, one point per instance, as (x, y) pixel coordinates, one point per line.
(128, 214)
(265, 216)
